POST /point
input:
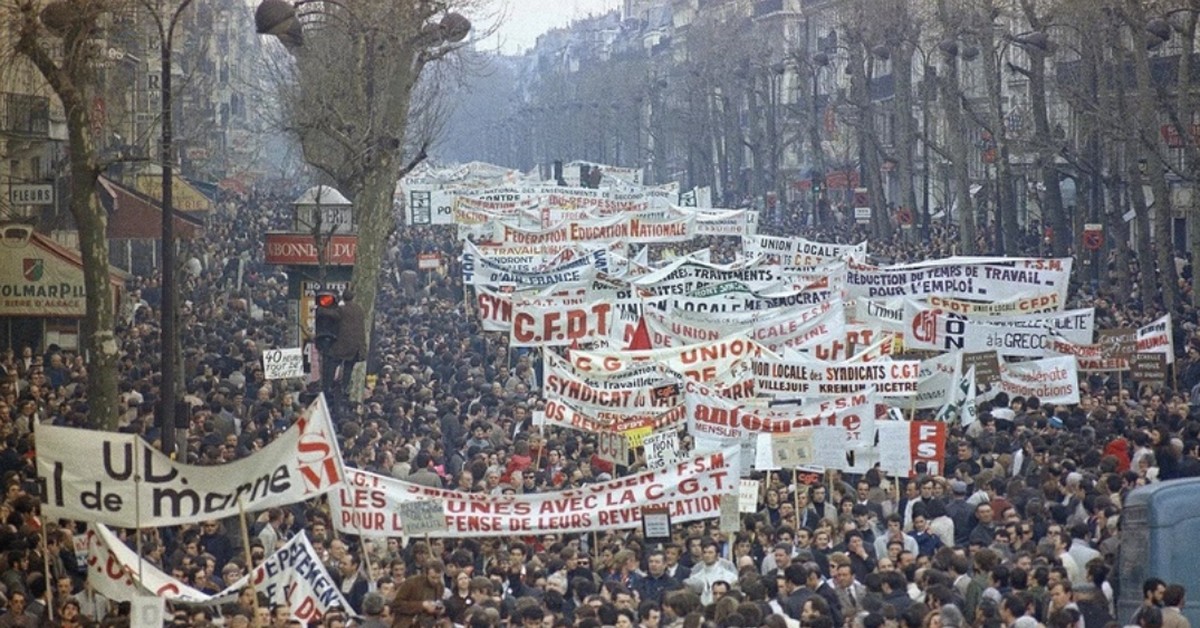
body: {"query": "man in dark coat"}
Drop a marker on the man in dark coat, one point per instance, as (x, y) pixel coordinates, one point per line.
(418, 600)
(350, 346)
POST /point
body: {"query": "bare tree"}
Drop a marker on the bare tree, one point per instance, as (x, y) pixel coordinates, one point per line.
(60, 40)
(356, 76)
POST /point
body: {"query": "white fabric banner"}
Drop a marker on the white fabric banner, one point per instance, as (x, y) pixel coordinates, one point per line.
(1052, 380)
(977, 281)
(801, 252)
(774, 330)
(938, 377)
(702, 362)
(933, 329)
(1020, 305)
(691, 490)
(803, 377)
(293, 576)
(627, 228)
(559, 322)
(121, 480)
(715, 422)
(685, 276)
(560, 382)
(579, 269)
(561, 414)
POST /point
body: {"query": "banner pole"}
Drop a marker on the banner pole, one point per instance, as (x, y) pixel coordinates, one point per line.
(137, 506)
(249, 558)
(50, 588)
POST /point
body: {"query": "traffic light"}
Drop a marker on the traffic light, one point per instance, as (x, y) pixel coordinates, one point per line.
(326, 323)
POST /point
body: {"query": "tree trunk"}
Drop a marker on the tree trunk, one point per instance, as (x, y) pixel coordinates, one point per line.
(68, 79)
(906, 133)
(1147, 277)
(1006, 233)
(959, 154)
(1146, 119)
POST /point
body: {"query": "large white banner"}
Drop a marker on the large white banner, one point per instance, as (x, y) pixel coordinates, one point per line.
(293, 576)
(782, 327)
(559, 322)
(685, 276)
(803, 377)
(121, 480)
(1052, 380)
(560, 382)
(931, 329)
(628, 228)
(938, 377)
(715, 422)
(579, 269)
(983, 281)
(1019, 305)
(562, 414)
(702, 362)
(366, 504)
(801, 252)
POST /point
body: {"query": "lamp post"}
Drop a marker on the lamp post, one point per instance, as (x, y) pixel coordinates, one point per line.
(820, 60)
(169, 338)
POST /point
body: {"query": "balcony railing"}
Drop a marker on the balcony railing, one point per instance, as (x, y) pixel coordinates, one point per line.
(25, 115)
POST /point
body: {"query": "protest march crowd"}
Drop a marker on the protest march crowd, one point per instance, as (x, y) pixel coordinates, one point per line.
(745, 421)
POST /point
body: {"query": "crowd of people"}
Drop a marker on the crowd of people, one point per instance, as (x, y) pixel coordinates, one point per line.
(1020, 529)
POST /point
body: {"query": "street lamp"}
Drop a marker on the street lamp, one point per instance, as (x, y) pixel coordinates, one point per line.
(169, 338)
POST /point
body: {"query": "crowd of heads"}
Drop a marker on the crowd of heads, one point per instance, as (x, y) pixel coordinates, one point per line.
(1020, 525)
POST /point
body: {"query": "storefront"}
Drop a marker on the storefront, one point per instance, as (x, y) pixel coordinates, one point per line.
(42, 292)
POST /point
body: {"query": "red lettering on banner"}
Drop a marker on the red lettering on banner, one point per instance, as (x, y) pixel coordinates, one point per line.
(927, 440)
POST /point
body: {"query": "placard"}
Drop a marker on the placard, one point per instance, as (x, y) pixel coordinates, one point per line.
(662, 449)
(637, 435)
(810, 475)
(147, 610)
(429, 261)
(1148, 367)
(731, 519)
(283, 363)
(613, 447)
(792, 450)
(422, 517)
(656, 523)
(748, 496)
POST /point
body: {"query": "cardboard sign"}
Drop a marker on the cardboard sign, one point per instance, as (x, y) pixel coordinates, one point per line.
(809, 475)
(1053, 380)
(283, 363)
(1118, 343)
(902, 444)
(792, 450)
(1149, 367)
(613, 447)
(731, 519)
(429, 261)
(987, 367)
(662, 449)
(422, 517)
(748, 496)
(656, 523)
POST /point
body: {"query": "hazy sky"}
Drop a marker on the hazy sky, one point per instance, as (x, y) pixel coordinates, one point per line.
(524, 20)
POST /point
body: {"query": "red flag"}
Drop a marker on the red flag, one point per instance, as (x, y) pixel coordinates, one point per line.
(641, 337)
